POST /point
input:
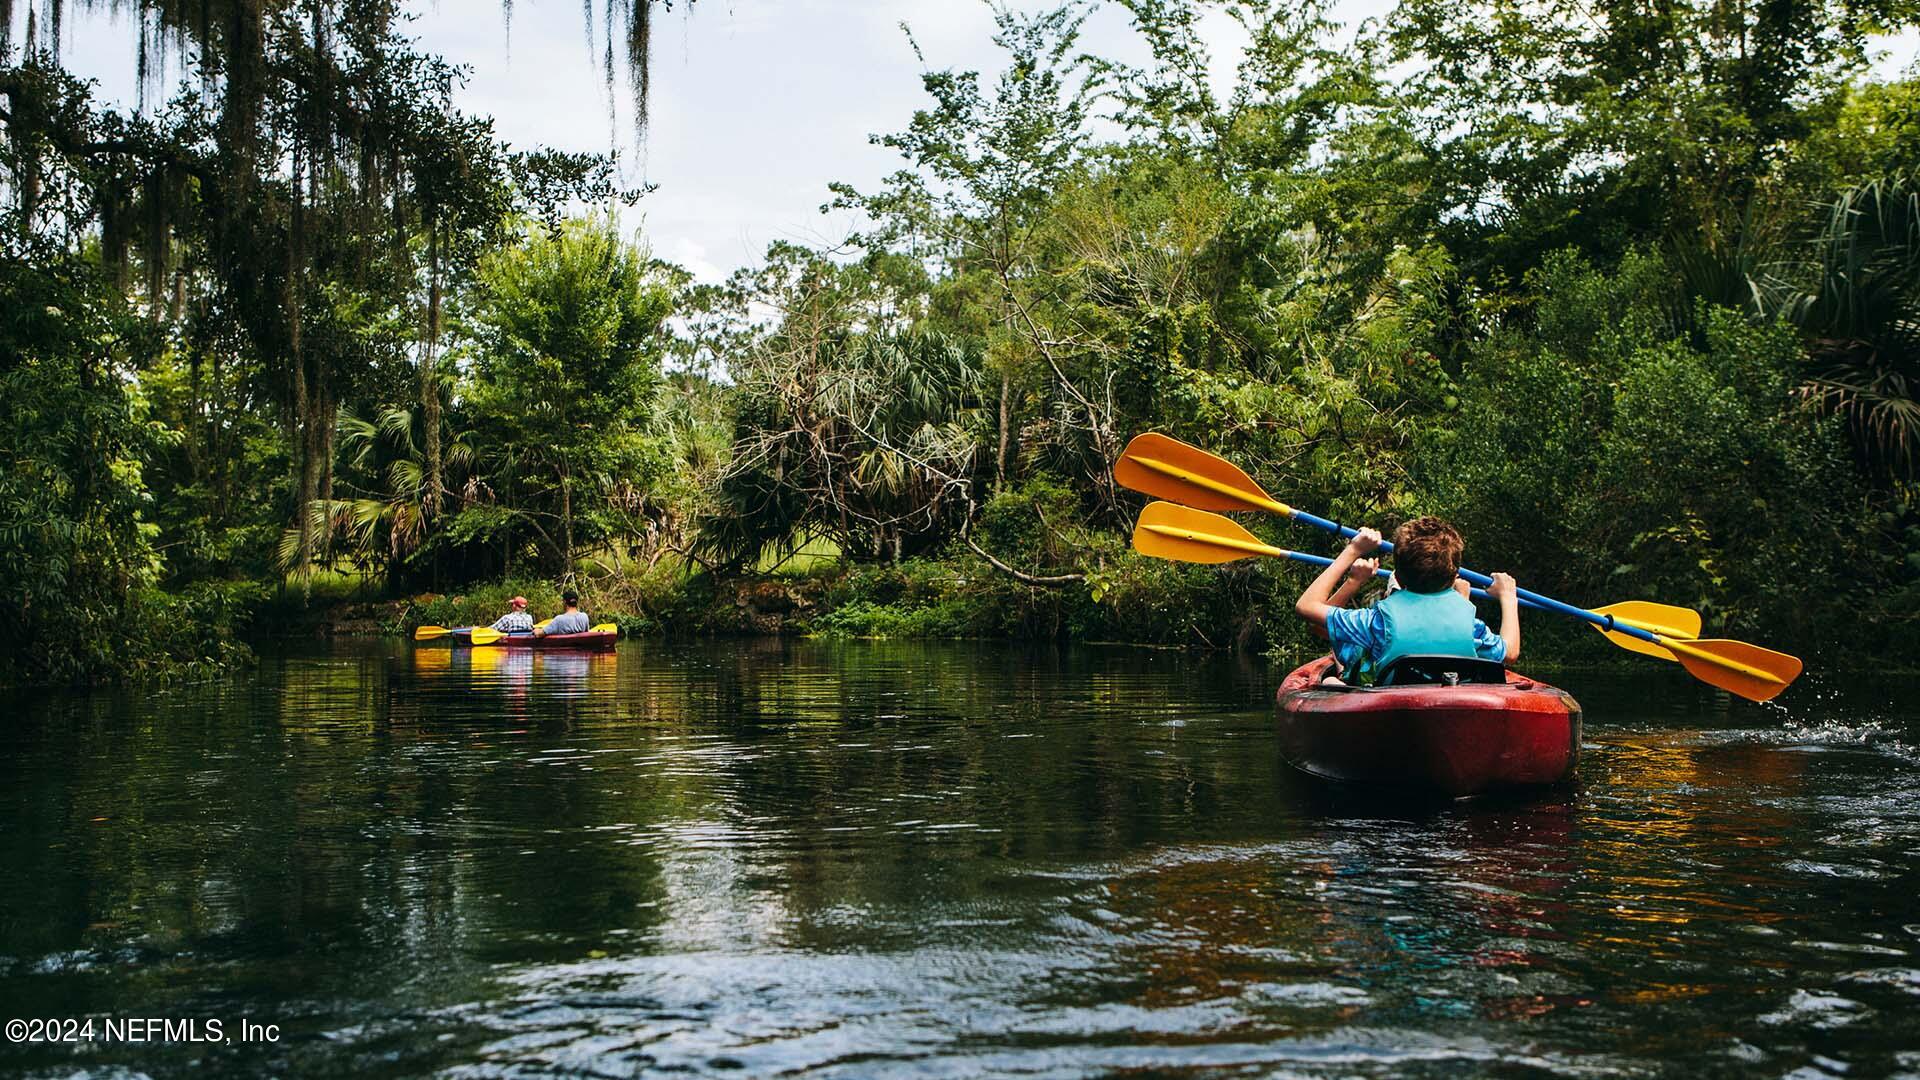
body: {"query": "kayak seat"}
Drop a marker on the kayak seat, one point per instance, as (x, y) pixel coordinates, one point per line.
(1443, 671)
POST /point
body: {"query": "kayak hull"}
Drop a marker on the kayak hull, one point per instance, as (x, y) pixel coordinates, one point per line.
(1429, 741)
(604, 639)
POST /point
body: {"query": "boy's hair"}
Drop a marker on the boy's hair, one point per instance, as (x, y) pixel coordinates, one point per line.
(1426, 554)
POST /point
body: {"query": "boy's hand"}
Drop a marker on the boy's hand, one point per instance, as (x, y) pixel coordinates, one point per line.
(1362, 571)
(1365, 542)
(1503, 587)
(1461, 586)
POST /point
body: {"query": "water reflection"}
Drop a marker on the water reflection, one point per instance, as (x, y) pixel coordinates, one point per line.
(864, 860)
(515, 673)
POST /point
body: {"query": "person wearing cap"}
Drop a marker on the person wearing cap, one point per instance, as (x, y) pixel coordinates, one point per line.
(516, 621)
(570, 621)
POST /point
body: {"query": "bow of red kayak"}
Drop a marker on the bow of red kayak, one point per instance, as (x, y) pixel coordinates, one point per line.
(1431, 741)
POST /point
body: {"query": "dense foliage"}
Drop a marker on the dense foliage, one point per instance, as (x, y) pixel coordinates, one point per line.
(1629, 293)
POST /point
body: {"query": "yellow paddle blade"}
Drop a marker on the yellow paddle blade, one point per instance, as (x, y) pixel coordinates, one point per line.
(428, 633)
(486, 635)
(1750, 671)
(1166, 468)
(1663, 619)
(603, 628)
(542, 624)
(1166, 531)
(1668, 619)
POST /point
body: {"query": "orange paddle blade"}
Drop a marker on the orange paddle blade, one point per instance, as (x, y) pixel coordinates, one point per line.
(1166, 468)
(1750, 671)
(1663, 619)
(1166, 531)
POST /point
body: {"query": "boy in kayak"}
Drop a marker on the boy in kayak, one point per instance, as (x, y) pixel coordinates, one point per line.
(516, 621)
(1426, 616)
(570, 621)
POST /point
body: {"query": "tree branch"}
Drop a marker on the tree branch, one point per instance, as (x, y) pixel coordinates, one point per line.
(1054, 580)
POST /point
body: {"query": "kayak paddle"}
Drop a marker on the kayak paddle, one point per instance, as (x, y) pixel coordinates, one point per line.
(1750, 671)
(479, 635)
(431, 633)
(1185, 535)
(1166, 468)
(1168, 531)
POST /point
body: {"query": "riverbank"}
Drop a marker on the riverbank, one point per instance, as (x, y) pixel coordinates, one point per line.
(1146, 604)
(207, 628)
(947, 599)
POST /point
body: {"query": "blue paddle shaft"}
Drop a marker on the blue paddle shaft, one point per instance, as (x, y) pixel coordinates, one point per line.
(1527, 596)
(1322, 560)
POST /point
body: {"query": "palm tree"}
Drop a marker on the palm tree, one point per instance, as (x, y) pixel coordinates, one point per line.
(383, 527)
(870, 439)
(1861, 311)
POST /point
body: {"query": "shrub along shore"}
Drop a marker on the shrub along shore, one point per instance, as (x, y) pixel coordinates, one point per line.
(957, 598)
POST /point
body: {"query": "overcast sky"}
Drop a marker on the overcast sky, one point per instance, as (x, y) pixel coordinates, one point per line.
(757, 104)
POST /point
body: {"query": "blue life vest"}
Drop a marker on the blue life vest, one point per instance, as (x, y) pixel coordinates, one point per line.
(1425, 624)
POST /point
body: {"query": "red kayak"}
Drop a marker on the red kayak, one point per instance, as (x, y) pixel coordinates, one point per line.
(589, 639)
(1447, 728)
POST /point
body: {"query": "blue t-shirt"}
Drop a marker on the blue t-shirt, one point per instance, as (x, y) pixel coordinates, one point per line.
(1352, 655)
(1359, 635)
(569, 622)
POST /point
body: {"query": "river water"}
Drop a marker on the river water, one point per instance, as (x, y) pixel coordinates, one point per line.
(768, 858)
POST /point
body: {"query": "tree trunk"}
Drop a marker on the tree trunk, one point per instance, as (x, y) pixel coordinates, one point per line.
(566, 524)
(1006, 434)
(314, 485)
(302, 393)
(324, 415)
(429, 383)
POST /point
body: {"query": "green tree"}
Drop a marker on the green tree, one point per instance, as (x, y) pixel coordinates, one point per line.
(1554, 123)
(985, 165)
(79, 568)
(563, 330)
